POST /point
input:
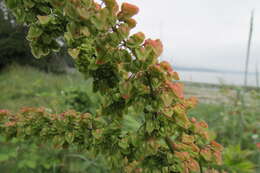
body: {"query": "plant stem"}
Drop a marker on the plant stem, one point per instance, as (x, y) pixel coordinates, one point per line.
(257, 75)
(201, 169)
(249, 47)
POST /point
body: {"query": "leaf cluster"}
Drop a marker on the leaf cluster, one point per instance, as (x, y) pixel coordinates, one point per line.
(127, 73)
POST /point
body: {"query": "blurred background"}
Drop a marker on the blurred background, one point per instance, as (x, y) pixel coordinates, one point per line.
(204, 40)
(207, 43)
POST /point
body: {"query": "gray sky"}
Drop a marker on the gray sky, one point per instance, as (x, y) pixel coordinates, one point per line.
(202, 33)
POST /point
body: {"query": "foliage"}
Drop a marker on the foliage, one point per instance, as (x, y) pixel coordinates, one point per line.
(130, 79)
(23, 86)
(14, 48)
(27, 157)
(80, 100)
(236, 160)
(235, 122)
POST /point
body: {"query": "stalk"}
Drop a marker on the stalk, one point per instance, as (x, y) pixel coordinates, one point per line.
(249, 47)
(257, 75)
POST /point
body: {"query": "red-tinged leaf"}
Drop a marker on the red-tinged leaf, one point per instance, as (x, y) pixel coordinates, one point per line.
(176, 88)
(40, 110)
(128, 10)
(10, 124)
(203, 124)
(216, 146)
(100, 62)
(26, 110)
(193, 165)
(156, 45)
(186, 170)
(181, 117)
(175, 75)
(193, 120)
(131, 22)
(258, 145)
(182, 155)
(218, 157)
(156, 68)
(4, 112)
(125, 90)
(185, 147)
(125, 96)
(135, 40)
(112, 5)
(166, 66)
(194, 148)
(205, 135)
(206, 154)
(187, 139)
(198, 129)
(191, 102)
(124, 30)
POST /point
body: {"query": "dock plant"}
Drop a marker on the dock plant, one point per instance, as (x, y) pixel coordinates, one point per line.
(128, 75)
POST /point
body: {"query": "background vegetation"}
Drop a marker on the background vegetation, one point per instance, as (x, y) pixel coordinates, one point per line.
(23, 86)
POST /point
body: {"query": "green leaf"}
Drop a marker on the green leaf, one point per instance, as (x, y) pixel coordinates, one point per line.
(58, 141)
(3, 157)
(12, 3)
(74, 53)
(29, 3)
(123, 143)
(31, 164)
(150, 126)
(39, 52)
(34, 32)
(135, 40)
(44, 20)
(87, 3)
(83, 13)
(85, 31)
(69, 136)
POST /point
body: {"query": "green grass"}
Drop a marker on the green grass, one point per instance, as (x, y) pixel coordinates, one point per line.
(206, 111)
(26, 86)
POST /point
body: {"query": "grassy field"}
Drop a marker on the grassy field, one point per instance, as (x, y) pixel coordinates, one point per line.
(234, 122)
(26, 87)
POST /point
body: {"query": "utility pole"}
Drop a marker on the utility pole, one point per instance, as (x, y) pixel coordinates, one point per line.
(257, 75)
(249, 47)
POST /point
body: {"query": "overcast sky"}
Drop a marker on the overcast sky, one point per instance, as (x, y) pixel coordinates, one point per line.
(202, 33)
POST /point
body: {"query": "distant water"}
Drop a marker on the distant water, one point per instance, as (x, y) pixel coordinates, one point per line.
(216, 77)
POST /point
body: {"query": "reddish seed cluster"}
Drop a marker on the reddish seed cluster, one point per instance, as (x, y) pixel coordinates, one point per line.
(156, 45)
(127, 11)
